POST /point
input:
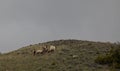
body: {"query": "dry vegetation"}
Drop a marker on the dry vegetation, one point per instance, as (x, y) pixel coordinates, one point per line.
(70, 55)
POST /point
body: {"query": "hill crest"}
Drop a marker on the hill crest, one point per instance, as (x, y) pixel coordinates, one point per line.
(70, 55)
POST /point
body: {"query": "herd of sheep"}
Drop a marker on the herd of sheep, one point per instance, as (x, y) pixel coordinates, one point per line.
(45, 49)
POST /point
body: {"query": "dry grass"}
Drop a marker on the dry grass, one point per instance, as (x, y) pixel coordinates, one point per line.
(60, 60)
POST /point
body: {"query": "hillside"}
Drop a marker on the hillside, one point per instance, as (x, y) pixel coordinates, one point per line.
(70, 55)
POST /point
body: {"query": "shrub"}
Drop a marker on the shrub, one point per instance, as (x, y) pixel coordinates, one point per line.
(103, 59)
(112, 58)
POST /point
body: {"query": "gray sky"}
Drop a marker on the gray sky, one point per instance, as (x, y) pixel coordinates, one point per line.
(24, 22)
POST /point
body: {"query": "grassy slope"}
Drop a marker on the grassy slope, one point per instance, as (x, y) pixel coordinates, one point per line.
(60, 60)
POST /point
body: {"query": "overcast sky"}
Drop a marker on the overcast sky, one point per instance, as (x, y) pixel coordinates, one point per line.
(24, 22)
